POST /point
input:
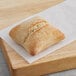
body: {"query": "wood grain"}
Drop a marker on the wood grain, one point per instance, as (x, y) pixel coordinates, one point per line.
(12, 11)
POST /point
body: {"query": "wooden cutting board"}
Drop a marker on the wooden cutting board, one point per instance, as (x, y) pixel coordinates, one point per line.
(12, 11)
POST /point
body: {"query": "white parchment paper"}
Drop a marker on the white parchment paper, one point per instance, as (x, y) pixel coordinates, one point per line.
(62, 16)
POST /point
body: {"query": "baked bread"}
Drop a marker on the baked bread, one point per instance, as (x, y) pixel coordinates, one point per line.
(36, 35)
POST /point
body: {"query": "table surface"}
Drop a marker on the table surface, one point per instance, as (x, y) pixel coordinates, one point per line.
(4, 71)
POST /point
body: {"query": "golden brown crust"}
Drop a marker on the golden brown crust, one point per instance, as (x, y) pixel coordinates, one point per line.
(43, 36)
(13, 32)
